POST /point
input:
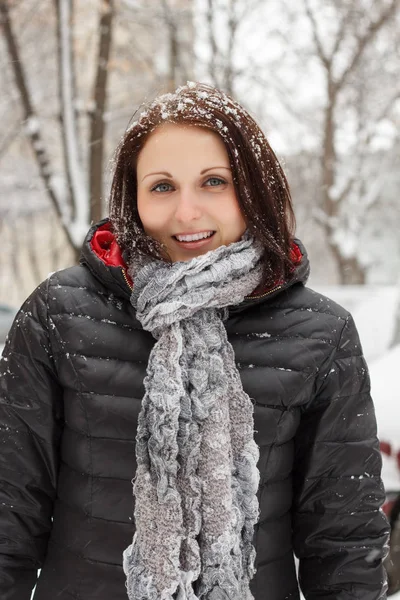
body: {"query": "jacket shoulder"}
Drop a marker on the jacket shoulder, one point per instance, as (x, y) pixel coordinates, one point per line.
(77, 276)
(298, 311)
(298, 318)
(302, 297)
(312, 314)
(336, 323)
(77, 291)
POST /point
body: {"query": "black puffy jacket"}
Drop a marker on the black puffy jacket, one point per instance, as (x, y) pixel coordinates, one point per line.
(71, 389)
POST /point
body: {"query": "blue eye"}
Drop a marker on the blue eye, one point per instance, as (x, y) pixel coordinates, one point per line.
(215, 179)
(166, 187)
(154, 189)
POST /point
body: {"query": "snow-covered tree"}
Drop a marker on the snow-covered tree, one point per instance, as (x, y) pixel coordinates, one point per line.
(76, 194)
(354, 44)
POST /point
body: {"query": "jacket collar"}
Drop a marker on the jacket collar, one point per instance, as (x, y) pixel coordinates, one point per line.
(103, 257)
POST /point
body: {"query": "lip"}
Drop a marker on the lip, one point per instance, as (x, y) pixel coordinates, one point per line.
(197, 243)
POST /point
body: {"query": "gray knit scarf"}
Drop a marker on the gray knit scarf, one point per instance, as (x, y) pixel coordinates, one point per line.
(196, 481)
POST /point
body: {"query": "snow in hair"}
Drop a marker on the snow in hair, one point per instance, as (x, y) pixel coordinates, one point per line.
(190, 101)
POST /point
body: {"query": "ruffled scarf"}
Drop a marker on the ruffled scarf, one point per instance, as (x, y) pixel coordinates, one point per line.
(196, 482)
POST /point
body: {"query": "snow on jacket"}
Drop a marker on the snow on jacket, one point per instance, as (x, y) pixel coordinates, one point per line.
(70, 395)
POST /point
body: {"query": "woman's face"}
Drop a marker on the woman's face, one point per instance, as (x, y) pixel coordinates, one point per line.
(185, 193)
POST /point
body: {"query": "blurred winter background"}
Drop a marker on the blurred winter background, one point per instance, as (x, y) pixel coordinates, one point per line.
(322, 79)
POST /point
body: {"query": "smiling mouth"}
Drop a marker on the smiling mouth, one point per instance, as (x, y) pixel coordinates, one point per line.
(194, 237)
(192, 241)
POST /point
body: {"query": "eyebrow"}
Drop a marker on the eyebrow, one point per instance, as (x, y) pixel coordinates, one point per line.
(169, 174)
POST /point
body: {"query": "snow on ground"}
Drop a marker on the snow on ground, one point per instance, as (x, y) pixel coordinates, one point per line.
(385, 391)
(373, 309)
(384, 387)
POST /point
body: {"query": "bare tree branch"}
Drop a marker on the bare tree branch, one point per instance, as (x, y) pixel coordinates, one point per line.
(135, 50)
(341, 33)
(373, 28)
(284, 92)
(388, 106)
(347, 188)
(326, 61)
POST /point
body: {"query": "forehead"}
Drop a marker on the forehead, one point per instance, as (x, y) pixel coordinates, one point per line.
(172, 137)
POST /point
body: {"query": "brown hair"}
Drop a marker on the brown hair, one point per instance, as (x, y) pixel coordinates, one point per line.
(260, 183)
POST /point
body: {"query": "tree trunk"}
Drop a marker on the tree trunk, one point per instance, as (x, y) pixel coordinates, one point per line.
(329, 151)
(31, 241)
(18, 281)
(97, 130)
(212, 43)
(349, 269)
(173, 56)
(73, 160)
(54, 242)
(229, 66)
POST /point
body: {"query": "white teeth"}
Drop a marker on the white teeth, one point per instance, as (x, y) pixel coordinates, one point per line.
(194, 236)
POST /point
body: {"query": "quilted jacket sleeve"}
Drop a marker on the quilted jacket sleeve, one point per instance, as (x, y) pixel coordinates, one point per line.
(340, 533)
(30, 427)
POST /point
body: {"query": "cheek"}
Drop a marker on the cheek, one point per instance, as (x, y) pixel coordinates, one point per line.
(152, 218)
(235, 218)
(240, 219)
(142, 207)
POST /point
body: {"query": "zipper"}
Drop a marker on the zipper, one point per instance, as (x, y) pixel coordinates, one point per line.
(275, 289)
(130, 286)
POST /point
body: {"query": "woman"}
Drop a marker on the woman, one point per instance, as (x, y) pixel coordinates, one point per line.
(186, 354)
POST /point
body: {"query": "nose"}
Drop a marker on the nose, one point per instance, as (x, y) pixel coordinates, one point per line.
(188, 208)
